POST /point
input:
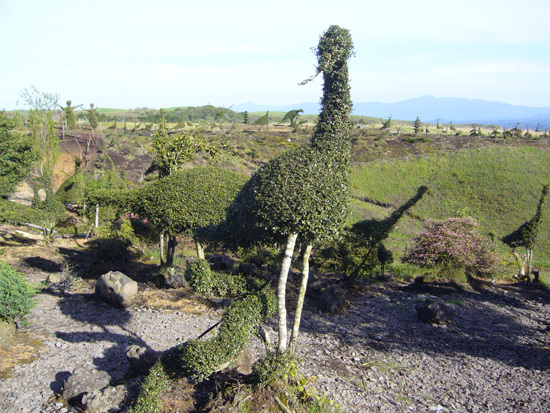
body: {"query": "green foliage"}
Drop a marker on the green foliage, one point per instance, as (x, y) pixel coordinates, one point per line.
(189, 199)
(107, 250)
(15, 294)
(245, 117)
(262, 120)
(172, 152)
(43, 133)
(418, 126)
(275, 366)
(215, 285)
(305, 190)
(73, 189)
(199, 359)
(17, 214)
(69, 115)
(152, 388)
(92, 116)
(385, 123)
(17, 156)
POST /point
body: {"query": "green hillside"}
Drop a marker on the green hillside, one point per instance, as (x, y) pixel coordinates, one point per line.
(498, 186)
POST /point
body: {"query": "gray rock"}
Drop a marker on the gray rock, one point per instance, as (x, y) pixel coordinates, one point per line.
(249, 269)
(243, 363)
(220, 263)
(140, 358)
(103, 401)
(85, 380)
(314, 284)
(432, 312)
(332, 300)
(116, 288)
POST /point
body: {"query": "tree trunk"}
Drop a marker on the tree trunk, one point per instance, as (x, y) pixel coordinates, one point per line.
(301, 297)
(529, 262)
(200, 250)
(96, 215)
(161, 248)
(281, 291)
(171, 250)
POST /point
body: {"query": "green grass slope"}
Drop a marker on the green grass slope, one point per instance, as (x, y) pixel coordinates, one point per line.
(498, 186)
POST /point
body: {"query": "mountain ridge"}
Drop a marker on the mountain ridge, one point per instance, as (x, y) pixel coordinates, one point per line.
(429, 109)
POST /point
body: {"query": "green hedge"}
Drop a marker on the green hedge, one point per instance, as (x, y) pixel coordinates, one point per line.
(15, 294)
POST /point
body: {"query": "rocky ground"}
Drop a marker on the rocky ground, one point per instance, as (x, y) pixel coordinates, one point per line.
(377, 356)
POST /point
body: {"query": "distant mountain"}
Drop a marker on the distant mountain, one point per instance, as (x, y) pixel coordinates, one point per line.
(429, 109)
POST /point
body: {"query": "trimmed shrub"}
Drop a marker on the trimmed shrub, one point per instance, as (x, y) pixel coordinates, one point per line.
(15, 294)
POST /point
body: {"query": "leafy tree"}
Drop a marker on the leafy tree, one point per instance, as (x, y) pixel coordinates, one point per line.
(303, 193)
(18, 154)
(527, 234)
(452, 245)
(69, 115)
(185, 201)
(172, 152)
(43, 134)
(418, 126)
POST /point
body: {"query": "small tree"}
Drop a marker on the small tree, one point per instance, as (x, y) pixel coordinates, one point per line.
(17, 156)
(417, 126)
(245, 117)
(173, 152)
(184, 202)
(452, 245)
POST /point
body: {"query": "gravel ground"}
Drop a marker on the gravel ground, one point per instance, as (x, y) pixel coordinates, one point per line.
(377, 357)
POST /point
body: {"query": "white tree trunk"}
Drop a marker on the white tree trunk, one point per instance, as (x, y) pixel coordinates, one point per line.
(301, 298)
(161, 247)
(97, 215)
(281, 291)
(200, 250)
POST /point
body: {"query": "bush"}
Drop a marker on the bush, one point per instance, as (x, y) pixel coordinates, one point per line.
(453, 246)
(15, 294)
(110, 249)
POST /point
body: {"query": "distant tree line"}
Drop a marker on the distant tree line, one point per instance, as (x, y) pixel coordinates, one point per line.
(187, 114)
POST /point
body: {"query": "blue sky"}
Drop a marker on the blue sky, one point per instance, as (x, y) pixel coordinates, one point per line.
(166, 53)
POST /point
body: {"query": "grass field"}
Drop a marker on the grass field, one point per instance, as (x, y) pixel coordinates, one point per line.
(500, 187)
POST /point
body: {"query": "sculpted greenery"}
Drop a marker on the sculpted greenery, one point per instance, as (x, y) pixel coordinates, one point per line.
(186, 201)
(305, 191)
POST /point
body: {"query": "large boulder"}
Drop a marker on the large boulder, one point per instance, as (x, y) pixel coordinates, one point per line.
(249, 269)
(85, 380)
(332, 300)
(432, 312)
(106, 400)
(140, 359)
(220, 262)
(116, 288)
